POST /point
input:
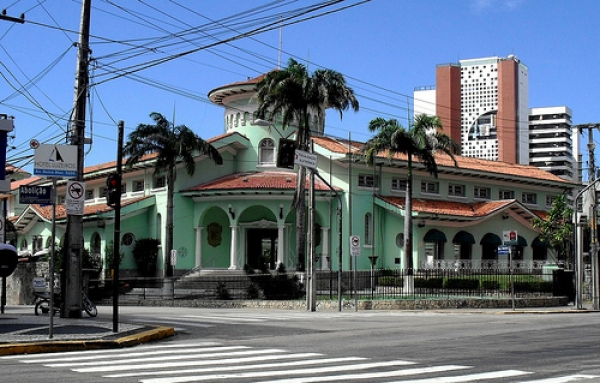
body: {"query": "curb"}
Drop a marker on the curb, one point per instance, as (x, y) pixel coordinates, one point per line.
(79, 345)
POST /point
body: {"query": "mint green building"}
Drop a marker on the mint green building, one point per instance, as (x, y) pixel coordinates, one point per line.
(239, 214)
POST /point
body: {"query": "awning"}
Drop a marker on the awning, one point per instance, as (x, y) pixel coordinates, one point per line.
(463, 237)
(537, 242)
(434, 235)
(490, 239)
(521, 241)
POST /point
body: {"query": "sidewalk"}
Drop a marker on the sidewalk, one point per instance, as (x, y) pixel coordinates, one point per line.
(22, 332)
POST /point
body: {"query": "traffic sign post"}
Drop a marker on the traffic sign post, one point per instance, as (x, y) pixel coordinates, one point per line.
(305, 159)
(33, 194)
(75, 197)
(354, 245)
(55, 160)
(355, 253)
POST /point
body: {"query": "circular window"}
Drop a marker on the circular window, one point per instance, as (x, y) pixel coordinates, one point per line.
(400, 240)
(128, 239)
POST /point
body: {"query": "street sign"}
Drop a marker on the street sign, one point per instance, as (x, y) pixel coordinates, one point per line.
(305, 159)
(75, 197)
(503, 250)
(354, 245)
(509, 237)
(55, 161)
(29, 194)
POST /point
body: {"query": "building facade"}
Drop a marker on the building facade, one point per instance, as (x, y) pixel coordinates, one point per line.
(239, 214)
(553, 145)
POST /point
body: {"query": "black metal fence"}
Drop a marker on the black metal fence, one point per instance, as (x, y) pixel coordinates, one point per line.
(375, 284)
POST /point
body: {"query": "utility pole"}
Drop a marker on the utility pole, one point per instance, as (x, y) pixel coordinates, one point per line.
(72, 261)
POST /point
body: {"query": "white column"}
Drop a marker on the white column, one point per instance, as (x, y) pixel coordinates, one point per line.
(233, 249)
(324, 248)
(280, 246)
(198, 247)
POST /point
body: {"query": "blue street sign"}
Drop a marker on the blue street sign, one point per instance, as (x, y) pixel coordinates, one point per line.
(29, 194)
(503, 250)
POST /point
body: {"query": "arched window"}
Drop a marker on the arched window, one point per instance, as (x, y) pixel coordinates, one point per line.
(463, 245)
(368, 229)
(434, 241)
(246, 118)
(96, 244)
(266, 151)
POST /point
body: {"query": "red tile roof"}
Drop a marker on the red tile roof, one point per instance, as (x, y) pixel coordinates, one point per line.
(61, 211)
(256, 181)
(452, 208)
(443, 160)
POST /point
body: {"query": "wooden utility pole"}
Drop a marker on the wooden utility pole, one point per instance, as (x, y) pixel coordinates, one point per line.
(72, 261)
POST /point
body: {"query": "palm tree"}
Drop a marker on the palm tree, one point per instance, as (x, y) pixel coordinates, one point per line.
(294, 94)
(172, 145)
(419, 143)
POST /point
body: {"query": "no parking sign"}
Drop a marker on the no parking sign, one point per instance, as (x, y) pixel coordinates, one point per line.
(354, 245)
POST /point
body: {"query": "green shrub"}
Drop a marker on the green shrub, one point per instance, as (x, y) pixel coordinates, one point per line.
(278, 286)
(388, 280)
(429, 283)
(252, 291)
(223, 292)
(490, 285)
(145, 254)
(459, 283)
(387, 272)
(533, 286)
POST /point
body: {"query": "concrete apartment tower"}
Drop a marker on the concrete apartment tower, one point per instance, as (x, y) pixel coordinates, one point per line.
(553, 144)
(483, 105)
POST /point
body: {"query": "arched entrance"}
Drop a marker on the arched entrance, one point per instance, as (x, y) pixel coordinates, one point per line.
(261, 248)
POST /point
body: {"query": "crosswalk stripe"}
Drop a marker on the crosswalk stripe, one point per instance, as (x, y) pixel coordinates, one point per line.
(151, 357)
(111, 351)
(565, 379)
(97, 358)
(279, 364)
(175, 322)
(129, 366)
(308, 371)
(468, 377)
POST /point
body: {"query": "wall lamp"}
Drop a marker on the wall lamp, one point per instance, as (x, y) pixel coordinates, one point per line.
(421, 224)
(505, 216)
(280, 211)
(231, 212)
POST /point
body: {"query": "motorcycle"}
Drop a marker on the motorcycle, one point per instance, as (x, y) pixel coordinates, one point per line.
(42, 306)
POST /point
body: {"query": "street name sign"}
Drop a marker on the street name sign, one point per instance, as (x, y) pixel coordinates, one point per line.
(305, 159)
(503, 250)
(33, 194)
(55, 161)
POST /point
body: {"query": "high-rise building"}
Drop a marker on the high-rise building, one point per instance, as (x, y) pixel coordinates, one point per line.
(483, 105)
(553, 143)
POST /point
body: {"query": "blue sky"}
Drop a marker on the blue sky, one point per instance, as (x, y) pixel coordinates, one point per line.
(385, 48)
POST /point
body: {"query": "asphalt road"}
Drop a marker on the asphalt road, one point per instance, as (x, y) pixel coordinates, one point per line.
(533, 347)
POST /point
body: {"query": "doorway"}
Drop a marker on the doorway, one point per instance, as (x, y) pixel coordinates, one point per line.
(261, 248)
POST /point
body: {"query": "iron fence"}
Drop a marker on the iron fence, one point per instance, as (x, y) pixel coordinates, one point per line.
(371, 284)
